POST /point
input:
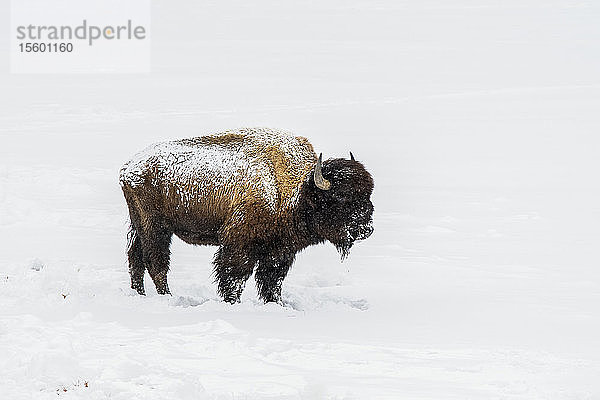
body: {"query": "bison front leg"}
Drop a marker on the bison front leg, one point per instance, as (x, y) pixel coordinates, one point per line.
(232, 268)
(269, 276)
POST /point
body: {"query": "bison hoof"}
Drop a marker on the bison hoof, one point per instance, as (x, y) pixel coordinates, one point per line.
(273, 299)
(139, 289)
(232, 300)
(163, 290)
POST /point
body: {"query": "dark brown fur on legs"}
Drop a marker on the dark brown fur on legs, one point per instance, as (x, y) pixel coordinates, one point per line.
(136, 262)
(156, 248)
(270, 274)
(155, 244)
(148, 250)
(232, 268)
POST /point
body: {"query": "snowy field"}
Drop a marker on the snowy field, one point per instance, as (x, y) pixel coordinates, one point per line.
(480, 123)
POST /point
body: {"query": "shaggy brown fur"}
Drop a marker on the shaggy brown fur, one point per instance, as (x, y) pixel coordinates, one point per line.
(249, 191)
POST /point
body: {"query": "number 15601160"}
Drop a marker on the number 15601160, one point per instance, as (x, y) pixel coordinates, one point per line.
(46, 47)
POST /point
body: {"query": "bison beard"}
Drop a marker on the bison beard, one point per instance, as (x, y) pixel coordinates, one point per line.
(258, 194)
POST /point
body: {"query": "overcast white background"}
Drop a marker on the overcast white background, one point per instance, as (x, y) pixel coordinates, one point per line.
(479, 122)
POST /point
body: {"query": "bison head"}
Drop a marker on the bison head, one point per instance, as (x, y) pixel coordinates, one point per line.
(341, 208)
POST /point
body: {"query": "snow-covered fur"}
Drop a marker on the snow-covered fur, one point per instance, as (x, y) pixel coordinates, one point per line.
(251, 192)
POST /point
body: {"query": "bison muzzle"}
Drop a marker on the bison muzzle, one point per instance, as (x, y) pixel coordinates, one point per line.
(261, 195)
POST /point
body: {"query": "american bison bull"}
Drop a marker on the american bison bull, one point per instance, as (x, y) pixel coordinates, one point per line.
(259, 194)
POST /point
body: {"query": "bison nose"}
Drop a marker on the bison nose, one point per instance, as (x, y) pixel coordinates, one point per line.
(363, 232)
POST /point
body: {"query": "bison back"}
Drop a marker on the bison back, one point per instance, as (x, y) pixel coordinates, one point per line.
(220, 178)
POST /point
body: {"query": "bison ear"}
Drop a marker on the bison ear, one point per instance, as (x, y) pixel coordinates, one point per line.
(352, 157)
(321, 182)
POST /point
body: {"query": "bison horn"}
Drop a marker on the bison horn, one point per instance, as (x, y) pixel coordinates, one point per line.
(352, 157)
(321, 182)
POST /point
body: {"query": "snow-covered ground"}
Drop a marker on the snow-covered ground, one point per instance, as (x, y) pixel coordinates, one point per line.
(479, 121)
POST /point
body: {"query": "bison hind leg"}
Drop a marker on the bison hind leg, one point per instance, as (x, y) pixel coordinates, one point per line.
(136, 261)
(232, 268)
(156, 250)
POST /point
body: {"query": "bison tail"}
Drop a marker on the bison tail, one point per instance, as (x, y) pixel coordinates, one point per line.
(132, 235)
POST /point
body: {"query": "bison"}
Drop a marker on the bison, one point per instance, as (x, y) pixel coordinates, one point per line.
(260, 194)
